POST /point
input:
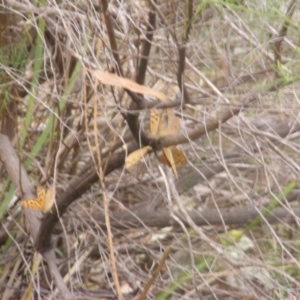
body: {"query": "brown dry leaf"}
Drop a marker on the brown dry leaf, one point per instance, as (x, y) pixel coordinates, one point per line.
(134, 157)
(163, 123)
(115, 80)
(172, 157)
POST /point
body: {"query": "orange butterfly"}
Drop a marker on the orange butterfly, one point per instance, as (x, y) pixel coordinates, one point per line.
(172, 157)
(43, 202)
(165, 123)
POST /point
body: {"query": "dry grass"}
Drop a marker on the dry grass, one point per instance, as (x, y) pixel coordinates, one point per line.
(232, 67)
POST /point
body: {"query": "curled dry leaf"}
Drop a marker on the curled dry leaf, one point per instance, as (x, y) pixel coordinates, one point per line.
(134, 157)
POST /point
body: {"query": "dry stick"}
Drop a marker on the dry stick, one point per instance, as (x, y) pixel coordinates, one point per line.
(181, 53)
(282, 33)
(155, 274)
(101, 175)
(140, 77)
(111, 36)
(33, 218)
(181, 48)
(161, 218)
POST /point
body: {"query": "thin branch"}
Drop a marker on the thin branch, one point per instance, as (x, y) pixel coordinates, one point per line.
(155, 274)
(111, 36)
(101, 174)
(140, 77)
(281, 35)
(214, 217)
(181, 53)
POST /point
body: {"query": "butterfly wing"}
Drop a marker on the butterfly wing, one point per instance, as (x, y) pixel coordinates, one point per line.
(155, 117)
(163, 159)
(163, 123)
(136, 156)
(41, 196)
(38, 203)
(32, 204)
(169, 123)
(172, 157)
(49, 198)
(179, 157)
(169, 155)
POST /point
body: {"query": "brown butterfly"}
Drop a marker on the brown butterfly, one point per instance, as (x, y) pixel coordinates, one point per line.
(172, 157)
(164, 123)
(43, 202)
